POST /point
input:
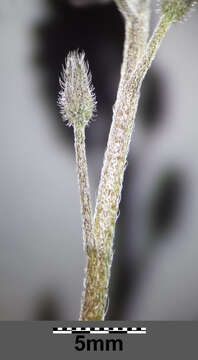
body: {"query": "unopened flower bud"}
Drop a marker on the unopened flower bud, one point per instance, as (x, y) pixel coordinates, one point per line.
(176, 9)
(77, 99)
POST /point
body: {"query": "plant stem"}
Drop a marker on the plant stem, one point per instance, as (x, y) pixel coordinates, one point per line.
(144, 64)
(83, 181)
(93, 284)
(110, 186)
(100, 257)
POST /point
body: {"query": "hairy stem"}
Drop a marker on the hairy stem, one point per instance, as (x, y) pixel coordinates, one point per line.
(94, 272)
(137, 77)
(95, 285)
(100, 258)
(110, 186)
(83, 181)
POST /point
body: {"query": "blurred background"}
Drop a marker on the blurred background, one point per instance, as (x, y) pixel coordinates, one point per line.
(154, 274)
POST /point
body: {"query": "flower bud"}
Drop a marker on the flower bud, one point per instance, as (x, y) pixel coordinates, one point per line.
(77, 99)
(176, 9)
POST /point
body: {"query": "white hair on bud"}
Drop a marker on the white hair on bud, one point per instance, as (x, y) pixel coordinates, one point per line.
(77, 98)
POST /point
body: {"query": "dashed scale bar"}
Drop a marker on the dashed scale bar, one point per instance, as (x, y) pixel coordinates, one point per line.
(99, 330)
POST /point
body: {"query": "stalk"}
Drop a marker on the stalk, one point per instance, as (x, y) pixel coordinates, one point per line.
(111, 181)
(83, 182)
(100, 258)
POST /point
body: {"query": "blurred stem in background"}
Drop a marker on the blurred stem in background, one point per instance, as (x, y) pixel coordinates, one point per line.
(77, 103)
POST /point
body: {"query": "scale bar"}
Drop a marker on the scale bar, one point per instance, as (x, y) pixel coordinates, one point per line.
(101, 330)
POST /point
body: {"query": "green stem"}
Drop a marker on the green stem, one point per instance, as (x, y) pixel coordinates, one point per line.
(111, 181)
(100, 258)
(144, 64)
(83, 182)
